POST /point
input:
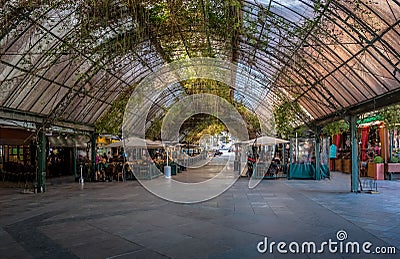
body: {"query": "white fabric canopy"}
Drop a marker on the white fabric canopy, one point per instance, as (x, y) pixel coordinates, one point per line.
(136, 142)
(264, 140)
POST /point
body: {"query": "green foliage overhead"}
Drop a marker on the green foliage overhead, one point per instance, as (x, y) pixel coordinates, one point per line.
(250, 118)
(391, 116)
(159, 13)
(211, 126)
(207, 86)
(207, 125)
(286, 116)
(336, 127)
(200, 86)
(154, 131)
(111, 122)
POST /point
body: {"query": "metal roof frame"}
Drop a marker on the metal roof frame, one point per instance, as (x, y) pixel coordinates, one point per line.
(78, 78)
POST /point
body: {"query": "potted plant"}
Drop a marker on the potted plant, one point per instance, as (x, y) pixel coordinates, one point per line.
(376, 169)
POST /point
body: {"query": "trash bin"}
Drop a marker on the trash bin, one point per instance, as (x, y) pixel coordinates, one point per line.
(167, 171)
(174, 169)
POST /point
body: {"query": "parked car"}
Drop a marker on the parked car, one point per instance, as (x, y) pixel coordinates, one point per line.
(217, 153)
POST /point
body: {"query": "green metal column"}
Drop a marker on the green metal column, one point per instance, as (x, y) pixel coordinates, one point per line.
(290, 158)
(354, 154)
(318, 154)
(284, 158)
(74, 157)
(32, 149)
(41, 159)
(390, 144)
(4, 154)
(93, 153)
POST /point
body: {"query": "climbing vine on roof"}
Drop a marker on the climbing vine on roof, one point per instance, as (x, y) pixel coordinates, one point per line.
(336, 127)
(211, 126)
(286, 117)
(391, 116)
(207, 86)
(111, 121)
(88, 51)
(208, 124)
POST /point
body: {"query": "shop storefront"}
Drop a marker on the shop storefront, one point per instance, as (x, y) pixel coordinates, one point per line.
(17, 151)
(378, 149)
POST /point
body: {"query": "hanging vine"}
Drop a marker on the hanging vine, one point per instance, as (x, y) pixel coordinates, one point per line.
(211, 126)
(111, 121)
(391, 116)
(336, 127)
(286, 118)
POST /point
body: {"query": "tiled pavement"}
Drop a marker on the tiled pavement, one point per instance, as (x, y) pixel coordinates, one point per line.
(123, 220)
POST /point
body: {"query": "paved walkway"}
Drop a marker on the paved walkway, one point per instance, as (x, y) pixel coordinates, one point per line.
(123, 220)
(204, 173)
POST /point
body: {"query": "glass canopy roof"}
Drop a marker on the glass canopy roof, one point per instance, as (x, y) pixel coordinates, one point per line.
(69, 60)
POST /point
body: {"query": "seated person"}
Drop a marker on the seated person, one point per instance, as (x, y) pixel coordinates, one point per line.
(101, 169)
(277, 161)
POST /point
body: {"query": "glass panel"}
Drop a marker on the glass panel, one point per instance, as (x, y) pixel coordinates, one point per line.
(98, 111)
(42, 98)
(335, 89)
(303, 151)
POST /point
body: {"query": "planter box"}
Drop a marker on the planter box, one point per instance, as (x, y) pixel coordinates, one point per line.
(338, 165)
(393, 167)
(376, 171)
(347, 166)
